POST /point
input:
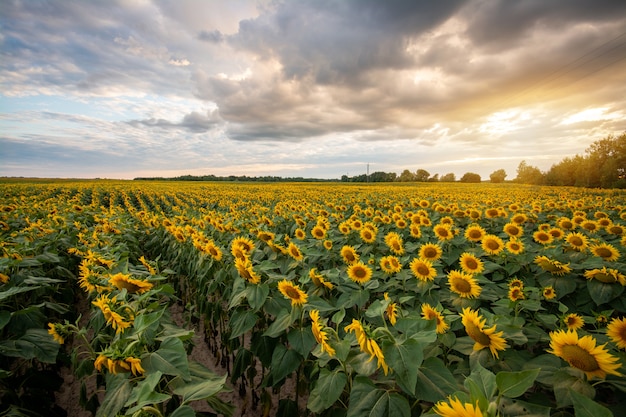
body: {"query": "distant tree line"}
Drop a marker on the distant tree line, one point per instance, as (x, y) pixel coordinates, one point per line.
(602, 166)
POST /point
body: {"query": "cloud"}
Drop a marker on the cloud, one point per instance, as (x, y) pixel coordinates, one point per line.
(214, 36)
(194, 122)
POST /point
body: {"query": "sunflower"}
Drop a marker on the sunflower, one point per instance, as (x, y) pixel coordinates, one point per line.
(319, 280)
(616, 331)
(367, 344)
(245, 270)
(318, 232)
(492, 244)
(470, 264)
(244, 243)
(577, 241)
(582, 353)
(516, 283)
(554, 267)
(213, 250)
(616, 229)
(57, 332)
(430, 313)
(565, 223)
(239, 252)
(549, 293)
(394, 242)
(484, 338)
(135, 365)
(463, 284)
(265, 236)
(133, 286)
(4, 278)
(328, 244)
(300, 234)
(430, 252)
(344, 228)
(112, 318)
(391, 311)
(605, 251)
(292, 292)
(543, 237)
(294, 251)
(475, 233)
(556, 233)
(401, 223)
(516, 293)
(514, 246)
(415, 230)
(390, 264)
(513, 229)
(573, 321)
(456, 408)
(519, 218)
(349, 254)
(443, 232)
(359, 272)
(423, 269)
(591, 226)
(317, 328)
(367, 235)
(607, 276)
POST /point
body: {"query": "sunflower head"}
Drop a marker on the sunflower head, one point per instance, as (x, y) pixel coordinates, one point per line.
(430, 252)
(430, 313)
(492, 244)
(616, 331)
(484, 338)
(423, 269)
(292, 292)
(463, 284)
(359, 272)
(573, 321)
(475, 233)
(605, 251)
(455, 408)
(470, 264)
(349, 254)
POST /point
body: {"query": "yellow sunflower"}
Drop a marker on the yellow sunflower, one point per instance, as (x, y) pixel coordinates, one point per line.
(605, 251)
(513, 229)
(359, 272)
(244, 243)
(573, 321)
(394, 242)
(484, 338)
(591, 226)
(455, 408)
(135, 365)
(616, 229)
(514, 246)
(319, 280)
(368, 345)
(470, 264)
(430, 252)
(294, 251)
(317, 328)
(475, 233)
(577, 241)
(367, 235)
(554, 267)
(616, 331)
(463, 284)
(245, 270)
(292, 292)
(344, 228)
(492, 244)
(390, 264)
(391, 311)
(423, 269)
(430, 313)
(265, 236)
(543, 237)
(57, 333)
(132, 285)
(549, 293)
(415, 230)
(516, 282)
(114, 319)
(318, 232)
(328, 244)
(519, 218)
(608, 276)
(565, 223)
(349, 254)
(443, 232)
(582, 353)
(213, 250)
(516, 293)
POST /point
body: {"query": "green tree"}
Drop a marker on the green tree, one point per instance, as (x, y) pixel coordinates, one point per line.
(407, 176)
(497, 176)
(470, 177)
(422, 175)
(527, 174)
(449, 177)
(608, 157)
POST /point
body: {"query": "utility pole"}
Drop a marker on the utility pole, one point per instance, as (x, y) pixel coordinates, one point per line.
(367, 176)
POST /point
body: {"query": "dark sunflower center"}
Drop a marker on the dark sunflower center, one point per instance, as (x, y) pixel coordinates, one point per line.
(471, 264)
(423, 270)
(350, 257)
(359, 273)
(493, 245)
(606, 278)
(576, 241)
(580, 358)
(430, 253)
(477, 335)
(292, 293)
(475, 234)
(603, 252)
(461, 285)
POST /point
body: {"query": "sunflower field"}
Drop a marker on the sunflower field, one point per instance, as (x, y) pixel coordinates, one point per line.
(441, 299)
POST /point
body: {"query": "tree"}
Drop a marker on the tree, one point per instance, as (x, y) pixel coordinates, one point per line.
(608, 157)
(498, 176)
(527, 174)
(407, 176)
(434, 178)
(422, 175)
(449, 177)
(470, 177)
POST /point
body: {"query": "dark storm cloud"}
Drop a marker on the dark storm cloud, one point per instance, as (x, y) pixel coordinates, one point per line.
(214, 36)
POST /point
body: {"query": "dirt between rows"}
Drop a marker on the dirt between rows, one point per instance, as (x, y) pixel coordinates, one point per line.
(68, 395)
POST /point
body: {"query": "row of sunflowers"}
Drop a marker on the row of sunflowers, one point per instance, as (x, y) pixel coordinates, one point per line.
(447, 299)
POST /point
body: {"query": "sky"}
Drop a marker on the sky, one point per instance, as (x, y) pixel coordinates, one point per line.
(305, 88)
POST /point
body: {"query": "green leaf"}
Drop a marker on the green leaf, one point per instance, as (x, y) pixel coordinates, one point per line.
(405, 359)
(183, 411)
(284, 362)
(328, 389)
(284, 319)
(514, 384)
(566, 380)
(144, 393)
(301, 340)
(512, 407)
(15, 290)
(586, 407)
(35, 343)
(198, 388)
(483, 380)
(241, 322)
(5, 317)
(601, 292)
(256, 295)
(243, 359)
(435, 381)
(117, 393)
(171, 359)
(368, 401)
